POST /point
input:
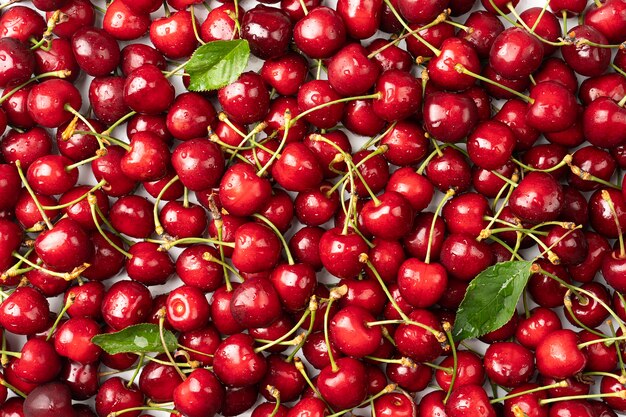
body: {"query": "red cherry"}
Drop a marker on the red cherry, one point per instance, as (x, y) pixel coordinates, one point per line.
(400, 95)
(257, 248)
(200, 395)
(320, 33)
(421, 284)
(148, 91)
(173, 35)
(245, 100)
(469, 401)
(558, 355)
(267, 30)
(236, 364)
(345, 387)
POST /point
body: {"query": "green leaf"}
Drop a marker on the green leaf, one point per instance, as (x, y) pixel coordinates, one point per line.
(140, 338)
(491, 298)
(217, 64)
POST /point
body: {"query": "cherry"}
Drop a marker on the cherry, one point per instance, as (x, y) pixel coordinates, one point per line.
(434, 35)
(237, 364)
(538, 198)
(350, 333)
(79, 146)
(414, 187)
(267, 30)
(469, 370)
(600, 357)
(541, 322)
(294, 284)
(235, 200)
(442, 71)
(38, 364)
(554, 107)
(201, 394)
(416, 342)
(78, 13)
(304, 246)
(558, 356)
(602, 123)
(219, 24)
(203, 342)
(73, 340)
(187, 308)
(64, 247)
(388, 217)
(26, 211)
(392, 57)
(132, 215)
(245, 100)
(173, 35)
(509, 364)
(25, 311)
(135, 55)
(195, 271)
(190, 116)
(449, 117)
(97, 52)
(421, 284)
(285, 377)
(333, 383)
(359, 118)
(607, 20)
(257, 248)
(82, 380)
(285, 73)
(339, 252)
(546, 291)
(547, 157)
(418, 241)
(529, 403)
(317, 93)
(199, 164)
(583, 58)
(449, 170)
(612, 385)
(350, 72)
(22, 23)
(47, 100)
(464, 257)
(320, 33)
(491, 144)
(50, 398)
(115, 394)
(315, 207)
(469, 401)
(59, 57)
(513, 114)
(146, 90)
(297, 169)
(124, 23)
(255, 303)
(18, 62)
(126, 303)
(148, 264)
(601, 215)
(586, 270)
(485, 28)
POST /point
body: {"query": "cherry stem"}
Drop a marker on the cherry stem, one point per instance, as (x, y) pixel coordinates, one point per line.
(105, 139)
(447, 370)
(567, 159)
(207, 256)
(305, 10)
(551, 255)
(16, 355)
(68, 304)
(606, 340)
(430, 46)
(46, 37)
(288, 123)
(99, 154)
(300, 367)
(119, 122)
(71, 127)
(277, 233)
(364, 259)
(158, 228)
(586, 176)
(462, 70)
(12, 388)
(375, 96)
(57, 74)
(32, 194)
(406, 362)
(513, 252)
(167, 245)
(8, 3)
(431, 231)
(335, 294)
(448, 329)
(194, 25)
(560, 384)
(378, 138)
(142, 408)
(619, 394)
(543, 11)
(441, 337)
(389, 388)
(219, 225)
(161, 314)
(618, 69)
(99, 185)
(306, 335)
(433, 154)
(501, 13)
(312, 306)
(529, 29)
(67, 276)
(622, 102)
(500, 209)
(93, 205)
(567, 302)
(618, 351)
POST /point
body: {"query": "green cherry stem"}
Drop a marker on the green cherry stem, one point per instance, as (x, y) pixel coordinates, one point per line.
(560, 384)
(375, 96)
(449, 194)
(288, 123)
(32, 194)
(278, 234)
(618, 394)
(312, 307)
(462, 70)
(335, 294)
(68, 304)
(395, 12)
(161, 315)
(448, 329)
(99, 185)
(609, 201)
(57, 74)
(94, 215)
(210, 258)
(158, 228)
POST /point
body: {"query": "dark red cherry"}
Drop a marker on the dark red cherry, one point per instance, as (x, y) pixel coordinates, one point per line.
(146, 90)
(147, 159)
(509, 364)
(515, 53)
(255, 303)
(304, 246)
(485, 29)
(132, 215)
(434, 35)
(416, 342)
(51, 398)
(464, 257)
(47, 101)
(340, 252)
(18, 62)
(126, 303)
(558, 356)
(22, 23)
(267, 30)
(554, 108)
(245, 100)
(449, 117)
(97, 52)
(465, 213)
(124, 23)
(237, 364)
(450, 170)
(538, 198)
(64, 247)
(601, 216)
(583, 58)
(513, 114)
(400, 95)
(200, 395)
(442, 69)
(608, 20)
(391, 57)
(491, 144)
(115, 395)
(135, 55)
(106, 96)
(79, 146)
(318, 93)
(469, 401)
(148, 264)
(285, 73)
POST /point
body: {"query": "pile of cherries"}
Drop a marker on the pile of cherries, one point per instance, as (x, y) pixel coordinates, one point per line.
(304, 276)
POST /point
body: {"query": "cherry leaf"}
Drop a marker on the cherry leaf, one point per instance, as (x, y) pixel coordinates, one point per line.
(217, 64)
(140, 338)
(491, 299)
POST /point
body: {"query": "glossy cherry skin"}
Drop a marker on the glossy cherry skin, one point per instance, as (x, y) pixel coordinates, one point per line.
(491, 144)
(297, 169)
(603, 121)
(416, 342)
(80, 211)
(114, 395)
(469, 401)
(350, 72)
(586, 270)
(304, 246)
(199, 163)
(22, 23)
(285, 377)
(148, 91)
(190, 116)
(126, 303)
(267, 30)
(52, 398)
(246, 100)
(528, 403)
(513, 114)
(449, 117)
(340, 253)
(600, 215)
(73, 340)
(65, 246)
(135, 55)
(147, 159)
(463, 257)
(362, 18)
(586, 59)
(389, 218)
(106, 96)
(399, 96)
(469, 372)
(203, 341)
(194, 270)
(317, 93)
(554, 107)
(532, 330)
(515, 53)
(613, 267)
(333, 385)
(607, 20)
(236, 179)
(255, 303)
(97, 53)
(158, 381)
(421, 284)
(450, 170)
(485, 28)
(219, 25)
(25, 311)
(18, 63)
(392, 57)
(285, 73)
(236, 364)
(173, 36)
(187, 309)
(79, 13)
(537, 199)
(257, 248)
(200, 395)
(435, 35)
(47, 100)
(349, 332)
(569, 245)
(148, 264)
(124, 23)
(412, 186)
(442, 69)
(38, 364)
(294, 284)
(320, 34)
(558, 356)
(132, 215)
(607, 85)
(509, 364)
